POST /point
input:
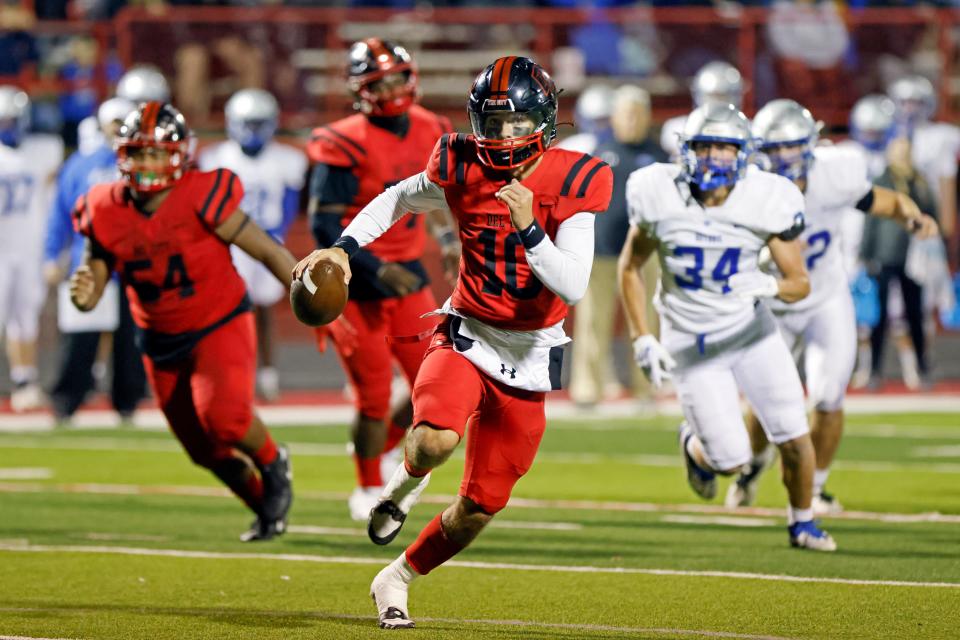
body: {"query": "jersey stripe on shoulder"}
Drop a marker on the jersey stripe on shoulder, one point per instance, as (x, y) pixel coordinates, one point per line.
(346, 151)
(346, 139)
(586, 181)
(459, 142)
(216, 187)
(225, 199)
(572, 174)
(444, 156)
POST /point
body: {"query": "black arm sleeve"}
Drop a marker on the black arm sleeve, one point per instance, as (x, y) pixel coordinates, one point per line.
(866, 202)
(333, 185)
(98, 252)
(799, 224)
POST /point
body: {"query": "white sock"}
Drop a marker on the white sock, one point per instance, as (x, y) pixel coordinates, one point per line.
(401, 484)
(820, 480)
(22, 375)
(795, 515)
(403, 569)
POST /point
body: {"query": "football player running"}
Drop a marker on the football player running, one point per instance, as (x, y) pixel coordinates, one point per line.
(708, 218)
(272, 174)
(831, 179)
(526, 215)
(388, 139)
(716, 82)
(167, 229)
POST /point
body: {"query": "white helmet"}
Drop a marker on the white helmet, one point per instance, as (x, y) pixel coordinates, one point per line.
(915, 99)
(872, 121)
(14, 115)
(594, 107)
(113, 110)
(252, 116)
(144, 83)
(786, 123)
(717, 81)
(714, 122)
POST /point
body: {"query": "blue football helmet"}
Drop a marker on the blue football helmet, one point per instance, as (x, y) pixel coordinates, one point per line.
(14, 115)
(872, 121)
(714, 122)
(252, 116)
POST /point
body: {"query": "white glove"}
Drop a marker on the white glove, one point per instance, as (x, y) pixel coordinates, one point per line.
(653, 359)
(753, 284)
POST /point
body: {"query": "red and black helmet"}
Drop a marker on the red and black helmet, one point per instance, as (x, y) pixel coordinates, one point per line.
(514, 88)
(370, 61)
(153, 125)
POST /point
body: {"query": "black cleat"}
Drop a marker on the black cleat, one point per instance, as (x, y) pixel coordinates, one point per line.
(393, 618)
(386, 520)
(277, 490)
(261, 530)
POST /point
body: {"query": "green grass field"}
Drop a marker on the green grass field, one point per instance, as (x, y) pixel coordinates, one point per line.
(114, 534)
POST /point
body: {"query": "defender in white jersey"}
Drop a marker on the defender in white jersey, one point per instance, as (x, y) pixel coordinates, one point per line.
(708, 219)
(273, 175)
(831, 179)
(28, 165)
(716, 81)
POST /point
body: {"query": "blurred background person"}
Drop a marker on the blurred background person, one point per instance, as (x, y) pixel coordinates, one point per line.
(273, 174)
(631, 147)
(592, 119)
(108, 329)
(28, 164)
(884, 252)
(716, 81)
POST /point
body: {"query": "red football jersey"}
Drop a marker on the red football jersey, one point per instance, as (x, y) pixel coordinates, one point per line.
(379, 159)
(178, 274)
(495, 284)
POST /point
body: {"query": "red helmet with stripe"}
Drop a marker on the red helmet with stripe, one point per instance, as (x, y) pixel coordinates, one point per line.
(153, 147)
(513, 112)
(382, 77)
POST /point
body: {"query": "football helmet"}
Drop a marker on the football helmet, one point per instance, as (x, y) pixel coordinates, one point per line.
(714, 122)
(717, 81)
(14, 115)
(252, 116)
(513, 112)
(872, 121)
(786, 133)
(593, 108)
(152, 127)
(372, 60)
(914, 98)
(143, 83)
(114, 110)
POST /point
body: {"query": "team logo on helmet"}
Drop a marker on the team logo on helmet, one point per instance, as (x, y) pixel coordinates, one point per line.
(513, 112)
(153, 147)
(382, 77)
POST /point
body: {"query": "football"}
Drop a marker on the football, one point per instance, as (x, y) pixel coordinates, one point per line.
(320, 294)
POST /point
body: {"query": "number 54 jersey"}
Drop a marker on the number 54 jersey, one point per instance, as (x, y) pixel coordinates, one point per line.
(178, 273)
(701, 247)
(496, 285)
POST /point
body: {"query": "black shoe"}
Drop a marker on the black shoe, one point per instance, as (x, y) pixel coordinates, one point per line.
(277, 491)
(261, 530)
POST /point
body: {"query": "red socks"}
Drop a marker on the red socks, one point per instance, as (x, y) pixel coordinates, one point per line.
(267, 453)
(368, 471)
(431, 548)
(395, 434)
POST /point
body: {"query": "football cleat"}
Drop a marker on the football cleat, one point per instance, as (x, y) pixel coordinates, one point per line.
(826, 504)
(361, 501)
(806, 535)
(26, 397)
(389, 593)
(703, 482)
(387, 517)
(261, 530)
(277, 491)
(743, 491)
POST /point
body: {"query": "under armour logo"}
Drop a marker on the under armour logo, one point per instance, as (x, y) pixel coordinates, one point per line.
(504, 370)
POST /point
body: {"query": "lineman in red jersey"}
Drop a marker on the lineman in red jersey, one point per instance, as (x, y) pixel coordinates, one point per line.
(355, 159)
(525, 214)
(167, 231)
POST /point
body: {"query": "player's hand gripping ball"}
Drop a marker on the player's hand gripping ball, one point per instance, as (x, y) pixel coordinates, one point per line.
(319, 295)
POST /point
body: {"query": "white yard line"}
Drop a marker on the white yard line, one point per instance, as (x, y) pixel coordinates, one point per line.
(25, 473)
(515, 502)
(504, 566)
(519, 624)
(725, 521)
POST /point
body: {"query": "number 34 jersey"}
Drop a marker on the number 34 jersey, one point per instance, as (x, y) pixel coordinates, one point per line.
(701, 247)
(178, 273)
(496, 285)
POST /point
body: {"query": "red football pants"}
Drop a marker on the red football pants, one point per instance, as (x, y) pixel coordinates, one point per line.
(506, 424)
(368, 356)
(208, 397)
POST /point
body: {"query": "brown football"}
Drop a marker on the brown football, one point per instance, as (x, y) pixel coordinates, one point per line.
(320, 295)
